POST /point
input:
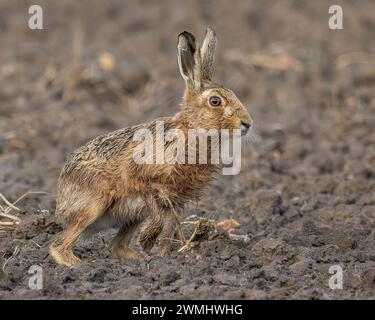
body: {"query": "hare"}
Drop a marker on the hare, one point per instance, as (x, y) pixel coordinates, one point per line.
(101, 185)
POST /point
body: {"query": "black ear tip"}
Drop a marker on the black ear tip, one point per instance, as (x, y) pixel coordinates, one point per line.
(184, 33)
(187, 35)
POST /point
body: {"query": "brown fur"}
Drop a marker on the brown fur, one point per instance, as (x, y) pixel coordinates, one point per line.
(101, 186)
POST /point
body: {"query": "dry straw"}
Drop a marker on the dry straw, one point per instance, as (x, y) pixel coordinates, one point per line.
(8, 219)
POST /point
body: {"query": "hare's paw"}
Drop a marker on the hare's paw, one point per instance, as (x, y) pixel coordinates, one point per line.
(125, 254)
(147, 243)
(165, 250)
(63, 257)
(148, 236)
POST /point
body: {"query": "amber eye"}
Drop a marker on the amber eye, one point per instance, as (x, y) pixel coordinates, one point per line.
(215, 101)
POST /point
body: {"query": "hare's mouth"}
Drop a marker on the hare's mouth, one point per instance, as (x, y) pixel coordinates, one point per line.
(245, 135)
(245, 128)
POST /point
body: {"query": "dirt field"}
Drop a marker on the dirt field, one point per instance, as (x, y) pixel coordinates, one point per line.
(306, 192)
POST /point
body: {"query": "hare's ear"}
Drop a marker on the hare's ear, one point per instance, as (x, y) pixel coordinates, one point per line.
(207, 53)
(188, 58)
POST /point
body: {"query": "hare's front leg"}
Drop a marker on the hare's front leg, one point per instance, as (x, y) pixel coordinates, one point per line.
(120, 243)
(167, 234)
(161, 223)
(150, 232)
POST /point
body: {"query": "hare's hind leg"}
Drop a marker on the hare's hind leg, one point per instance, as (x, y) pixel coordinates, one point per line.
(61, 249)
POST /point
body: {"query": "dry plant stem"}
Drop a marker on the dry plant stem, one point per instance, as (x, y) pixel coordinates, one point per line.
(15, 253)
(10, 205)
(174, 240)
(38, 245)
(24, 196)
(180, 229)
(6, 227)
(2, 223)
(9, 216)
(188, 244)
(10, 225)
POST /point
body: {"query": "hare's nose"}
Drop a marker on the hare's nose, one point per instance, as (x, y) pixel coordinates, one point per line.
(245, 125)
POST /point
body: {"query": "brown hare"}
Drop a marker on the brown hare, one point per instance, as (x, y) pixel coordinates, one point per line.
(101, 186)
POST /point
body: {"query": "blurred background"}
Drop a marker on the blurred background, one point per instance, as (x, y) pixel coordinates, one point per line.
(102, 65)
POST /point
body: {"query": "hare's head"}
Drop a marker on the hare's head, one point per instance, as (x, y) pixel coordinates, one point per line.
(207, 104)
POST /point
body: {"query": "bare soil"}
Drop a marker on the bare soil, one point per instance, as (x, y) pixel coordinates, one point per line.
(306, 191)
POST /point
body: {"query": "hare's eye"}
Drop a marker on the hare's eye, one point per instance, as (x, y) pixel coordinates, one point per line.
(215, 101)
